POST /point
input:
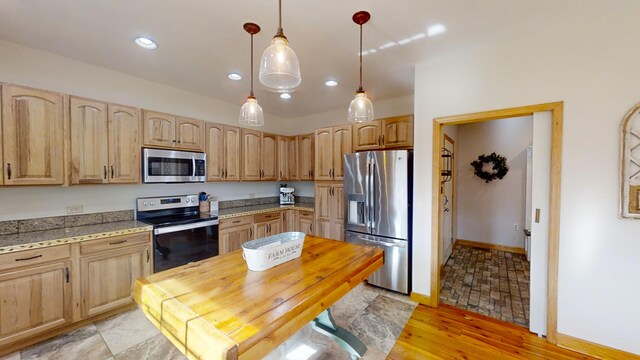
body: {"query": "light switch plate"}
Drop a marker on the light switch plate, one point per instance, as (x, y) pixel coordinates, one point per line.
(74, 209)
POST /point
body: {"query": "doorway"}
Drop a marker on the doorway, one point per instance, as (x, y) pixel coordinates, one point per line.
(549, 215)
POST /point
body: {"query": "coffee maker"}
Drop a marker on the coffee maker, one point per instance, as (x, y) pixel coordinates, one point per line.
(286, 195)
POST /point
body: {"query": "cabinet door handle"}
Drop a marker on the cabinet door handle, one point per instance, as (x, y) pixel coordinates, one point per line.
(309, 173)
(9, 171)
(112, 172)
(66, 274)
(105, 172)
(382, 140)
(225, 174)
(148, 257)
(250, 232)
(311, 228)
(30, 258)
(118, 242)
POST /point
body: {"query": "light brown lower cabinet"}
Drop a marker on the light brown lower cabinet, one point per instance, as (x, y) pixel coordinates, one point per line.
(329, 210)
(44, 290)
(289, 219)
(305, 222)
(233, 232)
(267, 224)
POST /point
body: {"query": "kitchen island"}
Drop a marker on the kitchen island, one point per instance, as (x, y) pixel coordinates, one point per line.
(218, 309)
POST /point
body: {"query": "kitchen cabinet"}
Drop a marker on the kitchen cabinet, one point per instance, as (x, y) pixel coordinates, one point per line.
(329, 210)
(388, 133)
(35, 292)
(96, 158)
(259, 156)
(266, 224)
(289, 219)
(305, 222)
(223, 152)
(330, 145)
(234, 232)
(306, 156)
(287, 158)
(33, 124)
(169, 131)
(107, 277)
(292, 144)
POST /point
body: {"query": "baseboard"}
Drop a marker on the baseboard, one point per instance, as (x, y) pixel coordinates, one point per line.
(483, 245)
(593, 349)
(420, 298)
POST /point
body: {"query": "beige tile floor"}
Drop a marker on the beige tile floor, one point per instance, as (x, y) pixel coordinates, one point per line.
(375, 315)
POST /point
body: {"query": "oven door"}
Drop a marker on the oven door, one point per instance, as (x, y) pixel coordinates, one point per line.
(166, 166)
(183, 244)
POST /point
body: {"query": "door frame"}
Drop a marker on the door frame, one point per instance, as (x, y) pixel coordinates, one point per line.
(446, 138)
(557, 109)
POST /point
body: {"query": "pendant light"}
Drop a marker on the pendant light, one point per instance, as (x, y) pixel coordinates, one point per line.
(251, 113)
(279, 67)
(361, 108)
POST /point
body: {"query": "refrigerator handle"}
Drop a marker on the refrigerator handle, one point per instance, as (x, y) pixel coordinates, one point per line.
(372, 192)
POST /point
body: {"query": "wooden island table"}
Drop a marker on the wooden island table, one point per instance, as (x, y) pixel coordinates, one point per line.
(218, 309)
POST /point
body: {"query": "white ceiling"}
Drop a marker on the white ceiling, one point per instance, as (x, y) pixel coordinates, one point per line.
(202, 41)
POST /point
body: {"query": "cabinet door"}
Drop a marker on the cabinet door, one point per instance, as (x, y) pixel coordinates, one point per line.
(189, 134)
(305, 156)
(289, 221)
(367, 136)
(232, 149)
(269, 157)
(34, 300)
(293, 158)
(305, 222)
(323, 201)
(251, 155)
(107, 278)
(261, 229)
(32, 136)
(337, 212)
(89, 145)
(323, 228)
(283, 158)
(159, 129)
(323, 154)
(215, 152)
(274, 227)
(342, 141)
(231, 239)
(124, 145)
(398, 131)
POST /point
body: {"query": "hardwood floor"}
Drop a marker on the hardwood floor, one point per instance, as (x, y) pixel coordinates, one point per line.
(450, 333)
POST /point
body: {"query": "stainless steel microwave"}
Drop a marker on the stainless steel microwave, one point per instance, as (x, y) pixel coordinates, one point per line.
(171, 166)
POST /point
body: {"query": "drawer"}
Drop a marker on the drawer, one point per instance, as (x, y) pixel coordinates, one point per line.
(115, 242)
(305, 214)
(35, 256)
(267, 216)
(236, 221)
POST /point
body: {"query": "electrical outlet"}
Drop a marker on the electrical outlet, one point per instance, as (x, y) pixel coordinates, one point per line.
(516, 227)
(252, 196)
(74, 209)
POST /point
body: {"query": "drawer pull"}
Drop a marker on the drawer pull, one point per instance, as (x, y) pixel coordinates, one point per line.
(237, 221)
(30, 258)
(118, 242)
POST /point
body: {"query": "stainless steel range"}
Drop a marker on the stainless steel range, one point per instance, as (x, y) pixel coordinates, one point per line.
(181, 234)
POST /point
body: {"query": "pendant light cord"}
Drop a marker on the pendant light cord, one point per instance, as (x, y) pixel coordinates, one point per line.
(360, 89)
(280, 31)
(251, 94)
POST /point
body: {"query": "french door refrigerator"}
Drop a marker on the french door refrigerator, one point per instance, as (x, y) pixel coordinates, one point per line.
(378, 189)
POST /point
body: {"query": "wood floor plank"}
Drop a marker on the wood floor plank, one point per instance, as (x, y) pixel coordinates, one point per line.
(451, 333)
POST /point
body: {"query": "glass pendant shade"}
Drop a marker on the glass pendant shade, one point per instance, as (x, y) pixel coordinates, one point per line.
(361, 108)
(279, 67)
(251, 113)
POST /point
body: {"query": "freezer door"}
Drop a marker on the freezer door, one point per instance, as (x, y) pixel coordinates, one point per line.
(394, 274)
(389, 194)
(355, 192)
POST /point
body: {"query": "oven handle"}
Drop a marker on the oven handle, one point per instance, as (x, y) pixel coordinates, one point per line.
(170, 229)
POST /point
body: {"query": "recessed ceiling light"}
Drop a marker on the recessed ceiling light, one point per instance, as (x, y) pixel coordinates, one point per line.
(331, 83)
(285, 96)
(234, 76)
(145, 43)
(436, 29)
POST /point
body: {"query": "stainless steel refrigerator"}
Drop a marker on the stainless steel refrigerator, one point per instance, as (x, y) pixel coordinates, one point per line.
(378, 211)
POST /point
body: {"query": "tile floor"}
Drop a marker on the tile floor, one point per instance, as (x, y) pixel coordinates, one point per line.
(375, 315)
(490, 282)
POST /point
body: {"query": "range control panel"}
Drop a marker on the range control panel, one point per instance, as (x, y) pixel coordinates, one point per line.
(171, 202)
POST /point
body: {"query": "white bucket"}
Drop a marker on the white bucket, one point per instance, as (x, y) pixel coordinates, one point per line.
(267, 252)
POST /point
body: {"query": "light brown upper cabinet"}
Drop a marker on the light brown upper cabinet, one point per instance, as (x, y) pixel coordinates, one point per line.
(169, 131)
(331, 144)
(96, 158)
(287, 158)
(223, 152)
(251, 155)
(269, 157)
(305, 156)
(393, 132)
(32, 136)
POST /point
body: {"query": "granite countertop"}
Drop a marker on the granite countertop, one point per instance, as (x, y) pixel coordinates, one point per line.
(259, 209)
(46, 238)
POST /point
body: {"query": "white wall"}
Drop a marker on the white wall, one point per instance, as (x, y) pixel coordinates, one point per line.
(487, 212)
(593, 67)
(381, 109)
(30, 67)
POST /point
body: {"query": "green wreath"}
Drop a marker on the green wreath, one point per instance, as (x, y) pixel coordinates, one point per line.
(500, 168)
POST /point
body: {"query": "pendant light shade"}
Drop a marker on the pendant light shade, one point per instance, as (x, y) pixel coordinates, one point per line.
(361, 108)
(251, 113)
(279, 67)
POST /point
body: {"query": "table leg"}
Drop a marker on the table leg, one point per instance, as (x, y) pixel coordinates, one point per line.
(325, 325)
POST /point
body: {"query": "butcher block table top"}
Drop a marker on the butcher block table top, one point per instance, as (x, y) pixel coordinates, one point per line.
(218, 309)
